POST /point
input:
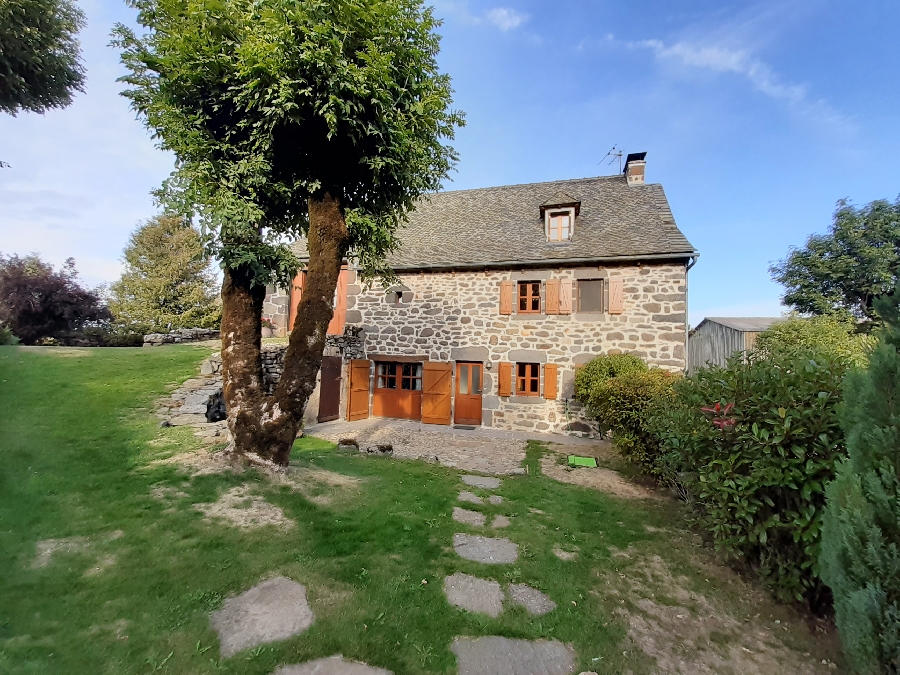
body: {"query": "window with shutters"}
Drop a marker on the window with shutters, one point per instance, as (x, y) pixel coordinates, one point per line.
(590, 295)
(529, 297)
(528, 379)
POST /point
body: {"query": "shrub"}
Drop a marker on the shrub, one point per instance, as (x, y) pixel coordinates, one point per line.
(6, 336)
(37, 302)
(831, 333)
(590, 378)
(861, 536)
(753, 445)
(622, 405)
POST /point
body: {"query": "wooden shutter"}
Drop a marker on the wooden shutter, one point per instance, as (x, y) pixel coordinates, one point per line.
(565, 296)
(504, 379)
(358, 399)
(552, 303)
(436, 381)
(616, 296)
(550, 370)
(336, 326)
(296, 292)
(506, 297)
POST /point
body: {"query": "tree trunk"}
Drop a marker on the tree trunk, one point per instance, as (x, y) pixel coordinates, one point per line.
(266, 426)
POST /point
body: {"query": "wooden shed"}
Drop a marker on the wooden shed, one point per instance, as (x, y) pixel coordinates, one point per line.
(717, 338)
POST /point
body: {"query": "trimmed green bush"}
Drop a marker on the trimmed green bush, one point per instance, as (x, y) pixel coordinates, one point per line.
(861, 537)
(622, 404)
(830, 333)
(751, 446)
(590, 378)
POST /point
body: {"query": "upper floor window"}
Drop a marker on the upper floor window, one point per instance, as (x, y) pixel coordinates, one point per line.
(559, 225)
(590, 295)
(529, 297)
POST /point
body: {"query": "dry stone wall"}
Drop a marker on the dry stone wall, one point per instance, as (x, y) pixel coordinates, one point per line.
(454, 316)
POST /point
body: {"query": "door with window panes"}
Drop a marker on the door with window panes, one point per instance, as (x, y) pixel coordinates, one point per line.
(468, 393)
(398, 390)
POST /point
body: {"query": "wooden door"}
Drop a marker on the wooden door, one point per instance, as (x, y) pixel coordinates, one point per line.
(468, 393)
(436, 380)
(330, 389)
(398, 390)
(358, 399)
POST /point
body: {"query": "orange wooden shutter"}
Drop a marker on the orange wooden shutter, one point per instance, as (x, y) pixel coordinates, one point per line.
(504, 379)
(358, 399)
(336, 326)
(616, 296)
(296, 292)
(550, 381)
(436, 380)
(565, 296)
(506, 297)
(552, 304)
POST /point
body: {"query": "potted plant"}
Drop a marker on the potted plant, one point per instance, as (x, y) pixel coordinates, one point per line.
(268, 328)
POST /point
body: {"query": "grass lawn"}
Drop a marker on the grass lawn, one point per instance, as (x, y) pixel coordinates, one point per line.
(106, 566)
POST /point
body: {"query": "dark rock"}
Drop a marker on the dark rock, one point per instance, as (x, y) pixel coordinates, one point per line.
(165, 423)
(386, 449)
(215, 407)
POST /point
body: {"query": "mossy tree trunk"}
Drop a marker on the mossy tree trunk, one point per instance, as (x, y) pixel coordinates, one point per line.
(265, 426)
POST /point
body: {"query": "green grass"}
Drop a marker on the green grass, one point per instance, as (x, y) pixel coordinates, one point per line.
(77, 438)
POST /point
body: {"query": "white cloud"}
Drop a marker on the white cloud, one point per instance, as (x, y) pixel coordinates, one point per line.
(505, 18)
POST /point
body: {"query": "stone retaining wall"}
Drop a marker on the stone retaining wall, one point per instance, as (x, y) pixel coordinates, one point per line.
(180, 336)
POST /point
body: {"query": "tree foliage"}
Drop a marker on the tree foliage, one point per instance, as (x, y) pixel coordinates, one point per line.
(324, 119)
(269, 104)
(167, 282)
(848, 268)
(861, 538)
(37, 302)
(828, 333)
(40, 58)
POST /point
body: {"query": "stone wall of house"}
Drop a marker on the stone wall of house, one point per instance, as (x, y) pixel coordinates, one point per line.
(454, 316)
(276, 308)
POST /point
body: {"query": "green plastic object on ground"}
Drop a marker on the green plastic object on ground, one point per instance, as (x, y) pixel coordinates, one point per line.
(575, 460)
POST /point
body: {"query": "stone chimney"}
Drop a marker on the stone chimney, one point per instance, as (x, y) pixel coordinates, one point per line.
(635, 167)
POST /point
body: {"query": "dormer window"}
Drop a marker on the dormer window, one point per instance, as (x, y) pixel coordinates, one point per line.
(559, 214)
(559, 225)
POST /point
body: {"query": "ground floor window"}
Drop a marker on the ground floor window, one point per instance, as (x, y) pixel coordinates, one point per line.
(407, 376)
(528, 379)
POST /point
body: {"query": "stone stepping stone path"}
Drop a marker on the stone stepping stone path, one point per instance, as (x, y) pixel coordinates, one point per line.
(500, 521)
(531, 599)
(473, 594)
(333, 665)
(494, 655)
(468, 517)
(495, 499)
(270, 611)
(470, 498)
(484, 482)
(488, 550)
(564, 555)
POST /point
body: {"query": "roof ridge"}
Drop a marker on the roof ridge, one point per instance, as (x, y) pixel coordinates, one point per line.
(543, 182)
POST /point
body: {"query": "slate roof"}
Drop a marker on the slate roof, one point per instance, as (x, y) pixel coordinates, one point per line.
(502, 226)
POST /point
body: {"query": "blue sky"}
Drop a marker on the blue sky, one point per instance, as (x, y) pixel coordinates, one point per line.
(757, 118)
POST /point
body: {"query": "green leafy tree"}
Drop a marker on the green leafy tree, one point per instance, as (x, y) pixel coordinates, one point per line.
(830, 333)
(848, 268)
(40, 58)
(316, 118)
(167, 282)
(860, 558)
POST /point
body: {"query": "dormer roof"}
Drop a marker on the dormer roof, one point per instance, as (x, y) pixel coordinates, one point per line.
(561, 200)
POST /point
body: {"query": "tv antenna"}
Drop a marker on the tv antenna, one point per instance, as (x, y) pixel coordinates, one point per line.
(614, 153)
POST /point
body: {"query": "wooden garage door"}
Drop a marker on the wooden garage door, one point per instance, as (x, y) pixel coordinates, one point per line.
(436, 381)
(398, 390)
(358, 400)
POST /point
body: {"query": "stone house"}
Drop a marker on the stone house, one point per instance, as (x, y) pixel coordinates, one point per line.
(503, 292)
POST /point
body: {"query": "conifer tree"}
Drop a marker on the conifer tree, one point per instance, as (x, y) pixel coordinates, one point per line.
(167, 282)
(860, 557)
